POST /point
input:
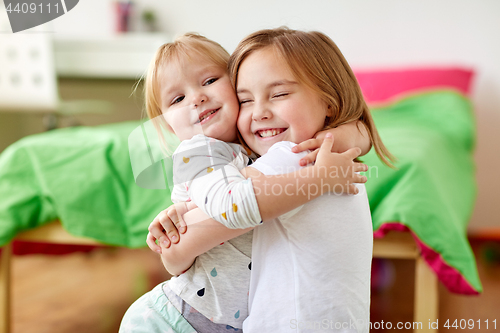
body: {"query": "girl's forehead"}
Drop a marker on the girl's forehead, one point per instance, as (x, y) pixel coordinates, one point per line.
(175, 61)
(269, 60)
(188, 63)
(270, 52)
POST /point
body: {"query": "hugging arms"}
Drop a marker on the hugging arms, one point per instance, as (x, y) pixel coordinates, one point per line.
(181, 238)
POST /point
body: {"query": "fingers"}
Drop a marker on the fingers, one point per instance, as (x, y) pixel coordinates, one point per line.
(353, 152)
(360, 179)
(170, 222)
(165, 228)
(310, 144)
(151, 241)
(156, 232)
(181, 226)
(309, 158)
(182, 208)
(352, 189)
(190, 205)
(326, 146)
(180, 223)
(360, 167)
(321, 135)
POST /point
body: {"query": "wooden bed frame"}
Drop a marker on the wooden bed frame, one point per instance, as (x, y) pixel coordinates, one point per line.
(395, 245)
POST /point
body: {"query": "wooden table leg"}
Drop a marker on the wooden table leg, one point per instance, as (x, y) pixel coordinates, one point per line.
(426, 298)
(5, 288)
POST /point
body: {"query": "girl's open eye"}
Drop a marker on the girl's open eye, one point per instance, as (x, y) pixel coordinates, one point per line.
(210, 81)
(178, 100)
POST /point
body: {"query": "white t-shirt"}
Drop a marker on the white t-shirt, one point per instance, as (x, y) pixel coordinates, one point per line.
(311, 268)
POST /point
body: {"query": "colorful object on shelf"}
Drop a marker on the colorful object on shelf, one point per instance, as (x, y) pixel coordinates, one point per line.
(123, 10)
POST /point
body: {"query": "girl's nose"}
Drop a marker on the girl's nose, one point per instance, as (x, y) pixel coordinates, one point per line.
(261, 112)
(199, 99)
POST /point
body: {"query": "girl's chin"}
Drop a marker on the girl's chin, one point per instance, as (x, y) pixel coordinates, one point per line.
(221, 134)
(261, 149)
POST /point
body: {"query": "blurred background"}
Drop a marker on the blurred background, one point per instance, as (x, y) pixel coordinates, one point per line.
(101, 48)
(99, 57)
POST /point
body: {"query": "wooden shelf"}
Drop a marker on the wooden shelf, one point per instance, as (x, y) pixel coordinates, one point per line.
(124, 56)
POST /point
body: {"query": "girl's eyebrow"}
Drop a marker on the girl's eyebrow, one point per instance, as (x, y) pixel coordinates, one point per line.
(271, 85)
(205, 71)
(240, 91)
(281, 83)
(210, 69)
(167, 92)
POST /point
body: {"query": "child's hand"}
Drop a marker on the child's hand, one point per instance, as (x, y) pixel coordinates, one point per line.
(347, 136)
(315, 143)
(311, 144)
(339, 169)
(166, 226)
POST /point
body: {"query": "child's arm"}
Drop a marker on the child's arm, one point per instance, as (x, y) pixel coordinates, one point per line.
(202, 234)
(347, 136)
(223, 193)
(268, 204)
(331, 172)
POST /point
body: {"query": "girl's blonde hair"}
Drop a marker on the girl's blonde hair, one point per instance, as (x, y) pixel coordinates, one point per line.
(183, 47)
(317, 62)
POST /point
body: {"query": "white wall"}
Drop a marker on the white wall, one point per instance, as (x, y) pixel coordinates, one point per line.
(371, 34)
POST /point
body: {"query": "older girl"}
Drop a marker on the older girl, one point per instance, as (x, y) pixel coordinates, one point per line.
(311, 268)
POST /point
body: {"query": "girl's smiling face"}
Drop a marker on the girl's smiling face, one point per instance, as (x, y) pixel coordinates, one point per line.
(197, 98)
(274, 105)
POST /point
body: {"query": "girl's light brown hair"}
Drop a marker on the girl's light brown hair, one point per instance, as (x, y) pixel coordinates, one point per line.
(182, 48)
(317, 62)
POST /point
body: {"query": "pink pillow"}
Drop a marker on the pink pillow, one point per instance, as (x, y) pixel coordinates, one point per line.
(380, 86)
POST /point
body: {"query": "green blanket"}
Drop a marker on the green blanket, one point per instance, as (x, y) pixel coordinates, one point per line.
(433, 191)
(83, 176)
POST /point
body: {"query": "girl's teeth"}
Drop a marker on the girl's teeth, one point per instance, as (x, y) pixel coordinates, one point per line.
(269, 133)
(208, 114)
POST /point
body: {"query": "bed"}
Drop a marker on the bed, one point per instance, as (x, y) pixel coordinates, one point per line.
(83, 179)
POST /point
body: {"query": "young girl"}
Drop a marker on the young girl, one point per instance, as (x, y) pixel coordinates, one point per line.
(188, 83)
(313, 266)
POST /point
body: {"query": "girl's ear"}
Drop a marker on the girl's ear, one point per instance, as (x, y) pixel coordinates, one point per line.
(329, 111)
(328, 115)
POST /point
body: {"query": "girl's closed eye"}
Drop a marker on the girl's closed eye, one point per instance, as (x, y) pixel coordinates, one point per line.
(281, 94)
(246, 100)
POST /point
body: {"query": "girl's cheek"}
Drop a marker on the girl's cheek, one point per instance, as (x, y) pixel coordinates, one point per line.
(244, 125)
(239, 122)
